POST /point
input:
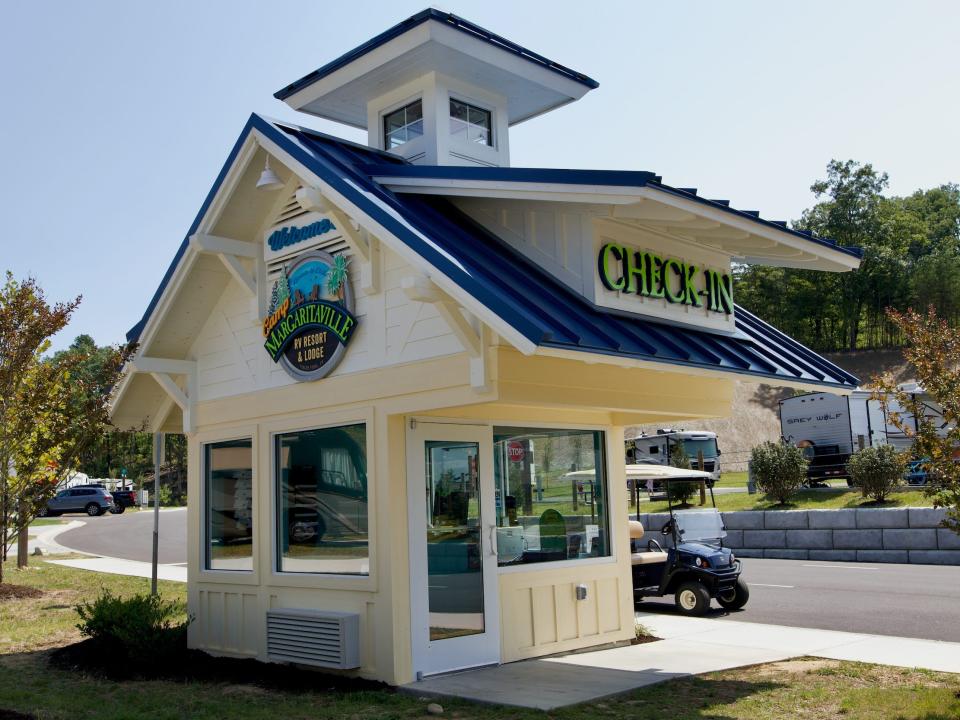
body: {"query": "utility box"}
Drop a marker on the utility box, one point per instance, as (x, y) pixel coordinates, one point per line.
(144, 498)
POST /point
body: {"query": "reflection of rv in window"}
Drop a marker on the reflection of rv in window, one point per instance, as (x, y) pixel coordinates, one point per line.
(655, 449)
(323, 485)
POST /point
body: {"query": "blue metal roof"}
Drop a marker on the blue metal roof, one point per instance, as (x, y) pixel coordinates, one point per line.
(538, 306)
(612, 178)
(454, 21)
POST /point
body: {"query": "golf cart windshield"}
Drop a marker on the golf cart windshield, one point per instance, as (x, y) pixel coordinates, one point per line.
(693, 525)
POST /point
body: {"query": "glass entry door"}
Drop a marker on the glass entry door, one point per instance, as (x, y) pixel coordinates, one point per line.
(454, 603)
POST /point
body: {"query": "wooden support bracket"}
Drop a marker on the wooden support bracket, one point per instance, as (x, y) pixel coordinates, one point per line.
(468, 329)
(364, 247)
(162, 370)
(229, 251)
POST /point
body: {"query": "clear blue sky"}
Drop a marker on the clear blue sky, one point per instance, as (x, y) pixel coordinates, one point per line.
(117, 116)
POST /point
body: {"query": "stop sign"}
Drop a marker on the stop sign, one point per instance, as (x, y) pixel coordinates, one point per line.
(516, 451)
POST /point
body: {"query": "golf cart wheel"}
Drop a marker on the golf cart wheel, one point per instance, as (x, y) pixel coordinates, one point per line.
(692, 598)
(93, 509)
(736, 597)
(117, 509)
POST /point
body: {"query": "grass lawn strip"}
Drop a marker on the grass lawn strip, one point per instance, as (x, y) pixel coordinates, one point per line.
(807, 688)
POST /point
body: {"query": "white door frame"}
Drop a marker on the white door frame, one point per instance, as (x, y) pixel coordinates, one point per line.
(432, 657)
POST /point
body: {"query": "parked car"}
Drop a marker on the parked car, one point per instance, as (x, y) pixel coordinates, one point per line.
(123, 498)
(93, 501)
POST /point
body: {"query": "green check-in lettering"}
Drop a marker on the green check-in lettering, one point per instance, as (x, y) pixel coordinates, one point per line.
(635, 272)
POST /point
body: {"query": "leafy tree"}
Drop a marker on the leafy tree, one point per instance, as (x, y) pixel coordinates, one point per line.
(911, 246)
(50, 409)
(779, 468)
(877, 470)
(933, 348)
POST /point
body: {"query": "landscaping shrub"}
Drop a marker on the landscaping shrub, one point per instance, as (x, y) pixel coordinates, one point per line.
(680, 492)
(877, 470)
(140, 627)
(779, 469)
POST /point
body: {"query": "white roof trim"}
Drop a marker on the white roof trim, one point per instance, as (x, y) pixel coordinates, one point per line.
(623, 196)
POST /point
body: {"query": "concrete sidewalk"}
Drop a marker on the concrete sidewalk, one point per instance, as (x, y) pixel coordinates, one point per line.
(792, 641)
(689, 646)
(118, 566)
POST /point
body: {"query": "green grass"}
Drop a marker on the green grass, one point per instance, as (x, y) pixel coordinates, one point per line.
(50, 621)
(40, 522)
(831, 499)
(807, 688)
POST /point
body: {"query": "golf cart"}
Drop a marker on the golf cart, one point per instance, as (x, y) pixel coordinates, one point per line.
(695, 566)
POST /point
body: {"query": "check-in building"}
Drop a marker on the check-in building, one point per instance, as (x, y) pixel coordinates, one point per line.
(395, 361)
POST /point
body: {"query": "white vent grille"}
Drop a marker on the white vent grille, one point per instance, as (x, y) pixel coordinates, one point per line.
(290, 210)
(321, 638)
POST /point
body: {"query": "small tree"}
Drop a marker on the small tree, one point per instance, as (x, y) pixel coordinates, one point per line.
(933, 349)
(51, 410)
(680, 492)
(779, 468)
(877, 470)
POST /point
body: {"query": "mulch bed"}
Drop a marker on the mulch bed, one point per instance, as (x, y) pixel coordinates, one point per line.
(17, 592)
(14, 715)
(94, 658)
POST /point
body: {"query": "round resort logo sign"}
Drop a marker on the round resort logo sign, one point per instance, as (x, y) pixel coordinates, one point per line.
(311, 319)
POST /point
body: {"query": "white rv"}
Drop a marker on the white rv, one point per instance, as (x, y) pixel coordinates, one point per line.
(832, 427)
(655, 449)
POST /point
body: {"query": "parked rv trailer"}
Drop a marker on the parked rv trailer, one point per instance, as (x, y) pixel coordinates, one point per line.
(831, 427)
(819, 424)
(655, 449)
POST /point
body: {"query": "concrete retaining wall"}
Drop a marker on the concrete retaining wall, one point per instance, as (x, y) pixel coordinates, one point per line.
(894, 535)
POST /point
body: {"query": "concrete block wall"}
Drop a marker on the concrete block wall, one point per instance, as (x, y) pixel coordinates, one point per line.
(894, 535)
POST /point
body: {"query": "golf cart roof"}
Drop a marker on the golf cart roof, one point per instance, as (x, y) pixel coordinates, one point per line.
(648, 472)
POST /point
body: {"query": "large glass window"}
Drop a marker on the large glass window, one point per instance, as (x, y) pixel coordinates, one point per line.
(403, 125)
(228, 467)
(469, 123)
(322, 503)
(551, 498)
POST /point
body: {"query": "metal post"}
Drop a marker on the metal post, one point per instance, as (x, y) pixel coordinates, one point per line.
(157, 461)
(703, 485)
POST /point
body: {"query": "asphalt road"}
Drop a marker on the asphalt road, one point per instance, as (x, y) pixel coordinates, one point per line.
(921, 601)
(130, 535)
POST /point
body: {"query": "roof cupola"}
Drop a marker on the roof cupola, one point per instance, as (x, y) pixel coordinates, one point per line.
(437, 90)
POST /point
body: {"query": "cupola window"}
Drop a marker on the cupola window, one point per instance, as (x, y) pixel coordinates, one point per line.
(403, 125)
(469, 123)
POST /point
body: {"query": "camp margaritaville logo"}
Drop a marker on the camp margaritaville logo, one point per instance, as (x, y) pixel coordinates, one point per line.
(311, 319)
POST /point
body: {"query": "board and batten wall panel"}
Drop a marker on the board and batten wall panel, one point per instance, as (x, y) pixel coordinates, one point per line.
(553, 235)
(229, 620)
(540, 613)
(391, 330)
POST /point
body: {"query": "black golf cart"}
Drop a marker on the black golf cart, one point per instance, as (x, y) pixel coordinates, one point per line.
(695, 566)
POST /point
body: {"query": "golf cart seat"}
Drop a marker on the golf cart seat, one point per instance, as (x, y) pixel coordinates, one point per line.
(646, 557)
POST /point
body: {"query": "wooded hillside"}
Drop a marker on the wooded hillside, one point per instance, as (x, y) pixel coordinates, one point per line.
(911, 259)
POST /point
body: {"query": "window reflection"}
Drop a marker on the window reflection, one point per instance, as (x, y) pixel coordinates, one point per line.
(322, 481)
(550, 499)
(229, 505)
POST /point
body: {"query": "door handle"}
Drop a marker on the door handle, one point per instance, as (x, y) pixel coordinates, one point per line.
(493, 539)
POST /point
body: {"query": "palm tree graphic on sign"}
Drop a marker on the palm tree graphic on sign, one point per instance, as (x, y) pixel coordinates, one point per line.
(336, 276)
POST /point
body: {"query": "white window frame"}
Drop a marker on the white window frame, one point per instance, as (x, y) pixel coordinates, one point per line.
(337, 581)
(485, 107)
(389, 110)
(243, 577)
